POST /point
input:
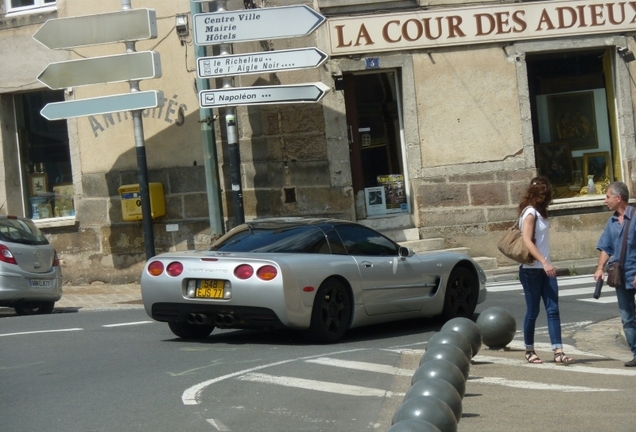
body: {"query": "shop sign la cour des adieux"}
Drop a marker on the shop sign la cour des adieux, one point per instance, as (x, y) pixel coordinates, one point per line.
(478, 24)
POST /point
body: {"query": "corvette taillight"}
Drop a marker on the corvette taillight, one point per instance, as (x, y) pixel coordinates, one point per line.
(244, 271)
(267, 272)
(6, 255)
(174, 268)
(56, 260)
(155, 268)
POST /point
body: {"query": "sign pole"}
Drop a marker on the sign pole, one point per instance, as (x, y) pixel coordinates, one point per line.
(231, 127)
(142, 167)
(215, 210)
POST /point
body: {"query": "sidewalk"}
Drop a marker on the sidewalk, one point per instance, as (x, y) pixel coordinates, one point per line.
(100, 296)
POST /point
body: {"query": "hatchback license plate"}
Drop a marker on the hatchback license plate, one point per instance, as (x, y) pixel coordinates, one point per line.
(39, 283)
(210, 288)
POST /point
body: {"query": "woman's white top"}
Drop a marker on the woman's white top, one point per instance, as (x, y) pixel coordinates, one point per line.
(541, 235)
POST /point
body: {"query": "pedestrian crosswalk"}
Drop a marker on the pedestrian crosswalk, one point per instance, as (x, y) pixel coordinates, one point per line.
(569, 286)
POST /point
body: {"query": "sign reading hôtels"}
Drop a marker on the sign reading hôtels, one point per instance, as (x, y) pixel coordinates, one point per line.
(260, 62)
(264, 95)
(255, 24)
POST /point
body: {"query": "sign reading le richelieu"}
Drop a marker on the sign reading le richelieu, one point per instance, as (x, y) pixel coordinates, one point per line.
(478, 24)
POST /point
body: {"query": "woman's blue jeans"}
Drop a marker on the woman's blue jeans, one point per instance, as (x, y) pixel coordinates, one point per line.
(536, 286)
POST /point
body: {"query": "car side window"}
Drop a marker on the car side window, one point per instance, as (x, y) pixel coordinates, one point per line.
(335, 242)
(360, 240)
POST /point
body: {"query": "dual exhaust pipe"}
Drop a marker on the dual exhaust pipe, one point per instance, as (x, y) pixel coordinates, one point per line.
(219, 320)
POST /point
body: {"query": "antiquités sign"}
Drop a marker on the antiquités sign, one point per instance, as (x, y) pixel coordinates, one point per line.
(474, 25)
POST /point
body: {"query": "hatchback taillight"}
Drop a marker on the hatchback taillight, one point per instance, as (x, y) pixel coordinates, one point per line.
(174, 268)
(267, 272)
(56, 260)
(244, 271)
(155, 268)
(6, 255)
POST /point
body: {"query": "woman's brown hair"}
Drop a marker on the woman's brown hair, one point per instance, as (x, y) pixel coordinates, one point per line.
(538, 195)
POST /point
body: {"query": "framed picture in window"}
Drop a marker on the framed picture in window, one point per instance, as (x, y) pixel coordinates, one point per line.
(597, 165)
(572, 118)
(38, 184)
(554, 161)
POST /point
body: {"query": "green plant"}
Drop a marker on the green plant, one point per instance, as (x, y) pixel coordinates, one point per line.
(572, 270)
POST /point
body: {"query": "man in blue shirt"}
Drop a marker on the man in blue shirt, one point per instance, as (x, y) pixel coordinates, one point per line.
(616, 199)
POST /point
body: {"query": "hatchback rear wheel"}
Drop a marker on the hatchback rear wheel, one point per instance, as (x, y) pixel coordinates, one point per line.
(33, 308)
(190, 331)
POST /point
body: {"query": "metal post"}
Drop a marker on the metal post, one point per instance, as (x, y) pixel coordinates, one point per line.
(142, 167)
(209, 148)
(231, 125)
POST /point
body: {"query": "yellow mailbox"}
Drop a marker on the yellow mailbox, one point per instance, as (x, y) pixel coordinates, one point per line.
(131, 201)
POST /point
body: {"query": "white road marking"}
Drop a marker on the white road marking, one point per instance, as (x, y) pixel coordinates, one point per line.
(219, 425)
(362, 366)
(405, 350)
(127, 324)
(546, 346)
(192, 394)
(603, 300)
(550, 365)
(41, 331)
(530, 385)
(323, 386)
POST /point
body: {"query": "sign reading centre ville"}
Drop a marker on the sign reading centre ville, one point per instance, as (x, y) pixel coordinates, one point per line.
(478, 24)
(255, 24)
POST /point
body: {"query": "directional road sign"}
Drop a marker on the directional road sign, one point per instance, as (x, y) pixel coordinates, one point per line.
(265, 95)
(122, 26)
(133, 66)
(260, 62)
(103, 105)
(255, 24)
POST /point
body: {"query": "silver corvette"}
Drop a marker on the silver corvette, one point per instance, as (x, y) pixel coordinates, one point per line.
(321, 276)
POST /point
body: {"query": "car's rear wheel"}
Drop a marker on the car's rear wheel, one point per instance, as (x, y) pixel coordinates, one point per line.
(331, 314)
(33, 308)
(462, 293)
(190, 331)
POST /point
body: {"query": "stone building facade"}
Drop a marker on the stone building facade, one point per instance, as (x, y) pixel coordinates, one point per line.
(439, 113)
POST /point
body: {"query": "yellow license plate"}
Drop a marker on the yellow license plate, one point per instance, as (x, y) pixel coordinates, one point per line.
(210, 288)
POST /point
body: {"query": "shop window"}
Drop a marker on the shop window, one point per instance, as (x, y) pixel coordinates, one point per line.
(18, 5)
(45, 159)
(573, 121)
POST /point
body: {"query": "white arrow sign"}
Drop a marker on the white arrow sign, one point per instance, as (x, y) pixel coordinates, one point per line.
(133, 66)
(261, 62)
(265, 95)
(255, 24)
(103, 105)
(122, 26)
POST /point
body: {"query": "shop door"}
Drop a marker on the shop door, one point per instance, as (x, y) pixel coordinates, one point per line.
(374, 123)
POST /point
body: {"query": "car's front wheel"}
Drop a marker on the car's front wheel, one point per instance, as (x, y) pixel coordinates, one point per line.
(33, 308)
(331, 314)
(462, 293)
(190, 331)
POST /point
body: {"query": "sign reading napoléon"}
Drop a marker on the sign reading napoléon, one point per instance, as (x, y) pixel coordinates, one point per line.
(479, 24)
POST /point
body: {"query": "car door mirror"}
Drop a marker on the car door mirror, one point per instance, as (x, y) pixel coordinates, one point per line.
(405, 252)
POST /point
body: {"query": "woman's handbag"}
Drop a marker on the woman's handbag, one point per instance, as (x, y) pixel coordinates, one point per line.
(512, 245)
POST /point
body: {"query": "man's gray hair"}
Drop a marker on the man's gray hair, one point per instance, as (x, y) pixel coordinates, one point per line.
(619, 188)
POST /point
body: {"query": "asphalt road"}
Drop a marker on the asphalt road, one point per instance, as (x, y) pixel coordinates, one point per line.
(120, 371)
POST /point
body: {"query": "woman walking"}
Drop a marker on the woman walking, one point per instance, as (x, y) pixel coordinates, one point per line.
(539, 278)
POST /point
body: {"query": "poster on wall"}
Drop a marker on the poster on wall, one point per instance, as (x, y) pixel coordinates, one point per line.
(375, 200)
(394, 192)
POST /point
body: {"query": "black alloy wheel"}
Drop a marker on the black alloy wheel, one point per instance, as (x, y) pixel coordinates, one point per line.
(462, 293)
(331, 314)
(190, 331)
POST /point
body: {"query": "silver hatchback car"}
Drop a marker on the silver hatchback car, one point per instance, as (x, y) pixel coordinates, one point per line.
(30, 273)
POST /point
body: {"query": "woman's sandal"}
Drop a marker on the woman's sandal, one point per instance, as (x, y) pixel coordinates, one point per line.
(533, 358)
(561, 359)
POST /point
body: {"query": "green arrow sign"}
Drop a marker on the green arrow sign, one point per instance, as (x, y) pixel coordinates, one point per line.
(122, 26)
(103, 105)
(99, 70)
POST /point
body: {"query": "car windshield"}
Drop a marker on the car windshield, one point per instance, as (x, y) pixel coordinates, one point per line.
(21, 231)
(298, 239)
